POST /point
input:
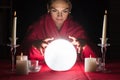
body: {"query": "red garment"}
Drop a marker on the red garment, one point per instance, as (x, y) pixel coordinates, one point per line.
(45, 28)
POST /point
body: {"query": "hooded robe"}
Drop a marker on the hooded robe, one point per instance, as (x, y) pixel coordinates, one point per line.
(46, 28)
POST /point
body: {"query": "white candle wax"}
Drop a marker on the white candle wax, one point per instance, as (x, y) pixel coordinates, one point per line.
(22, 67)
(104, 29)
(14, 29)
(90, 64)
(23, 57)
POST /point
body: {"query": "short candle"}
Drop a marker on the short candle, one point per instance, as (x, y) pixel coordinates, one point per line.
(22, 64)
(90, 64)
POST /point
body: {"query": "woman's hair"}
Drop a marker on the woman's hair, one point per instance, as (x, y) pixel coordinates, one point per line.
(52, 1)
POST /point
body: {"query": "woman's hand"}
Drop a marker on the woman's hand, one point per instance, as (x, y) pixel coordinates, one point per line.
(76, 43)
(46, 41)
(44, 44)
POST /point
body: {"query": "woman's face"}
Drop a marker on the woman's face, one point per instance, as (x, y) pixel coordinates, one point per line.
(59, 11)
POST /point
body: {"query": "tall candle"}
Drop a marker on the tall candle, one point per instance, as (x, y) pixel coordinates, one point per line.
(14, 29)
(104, 28)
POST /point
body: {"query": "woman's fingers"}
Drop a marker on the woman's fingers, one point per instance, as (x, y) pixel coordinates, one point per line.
(74, 40)
(46, 42)
(42, 51)
(48, 39)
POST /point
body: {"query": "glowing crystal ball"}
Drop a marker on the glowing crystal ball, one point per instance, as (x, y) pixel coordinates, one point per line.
(60, 55)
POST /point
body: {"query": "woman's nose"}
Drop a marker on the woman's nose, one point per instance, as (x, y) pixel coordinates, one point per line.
(59, 14)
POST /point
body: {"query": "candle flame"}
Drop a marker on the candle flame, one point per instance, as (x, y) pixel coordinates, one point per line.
(105, 11)
(21, 56)
(90, 56)
(14, 13)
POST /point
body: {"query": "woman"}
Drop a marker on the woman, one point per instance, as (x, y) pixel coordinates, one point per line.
(57, 23)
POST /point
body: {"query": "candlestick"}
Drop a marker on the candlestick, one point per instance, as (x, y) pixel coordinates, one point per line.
(104, 28)
(104, 44)
(14, 29)
(13, 41)
(13, 52)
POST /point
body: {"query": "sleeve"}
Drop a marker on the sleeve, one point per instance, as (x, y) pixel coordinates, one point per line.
(35, 54)
(32, 38)
(88, 47)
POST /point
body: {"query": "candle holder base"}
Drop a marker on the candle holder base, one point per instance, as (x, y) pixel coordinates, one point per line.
(12, 71)
(102, 66)
(106, 71)
(13, 52)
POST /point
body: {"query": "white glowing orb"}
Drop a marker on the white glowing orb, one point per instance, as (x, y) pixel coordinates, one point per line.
(60, 55)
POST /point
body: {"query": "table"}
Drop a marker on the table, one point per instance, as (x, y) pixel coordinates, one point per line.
(114, 74)
(76, 73)
(45, 73)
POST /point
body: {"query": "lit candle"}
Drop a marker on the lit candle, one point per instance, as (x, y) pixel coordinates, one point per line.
(104, 28)
(14, 29)
(90, 64)
(22, 67)
(22, 64)
(22, 57)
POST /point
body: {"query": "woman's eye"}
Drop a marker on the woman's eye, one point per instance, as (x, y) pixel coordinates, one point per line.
(65, 11)
(53, 10)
